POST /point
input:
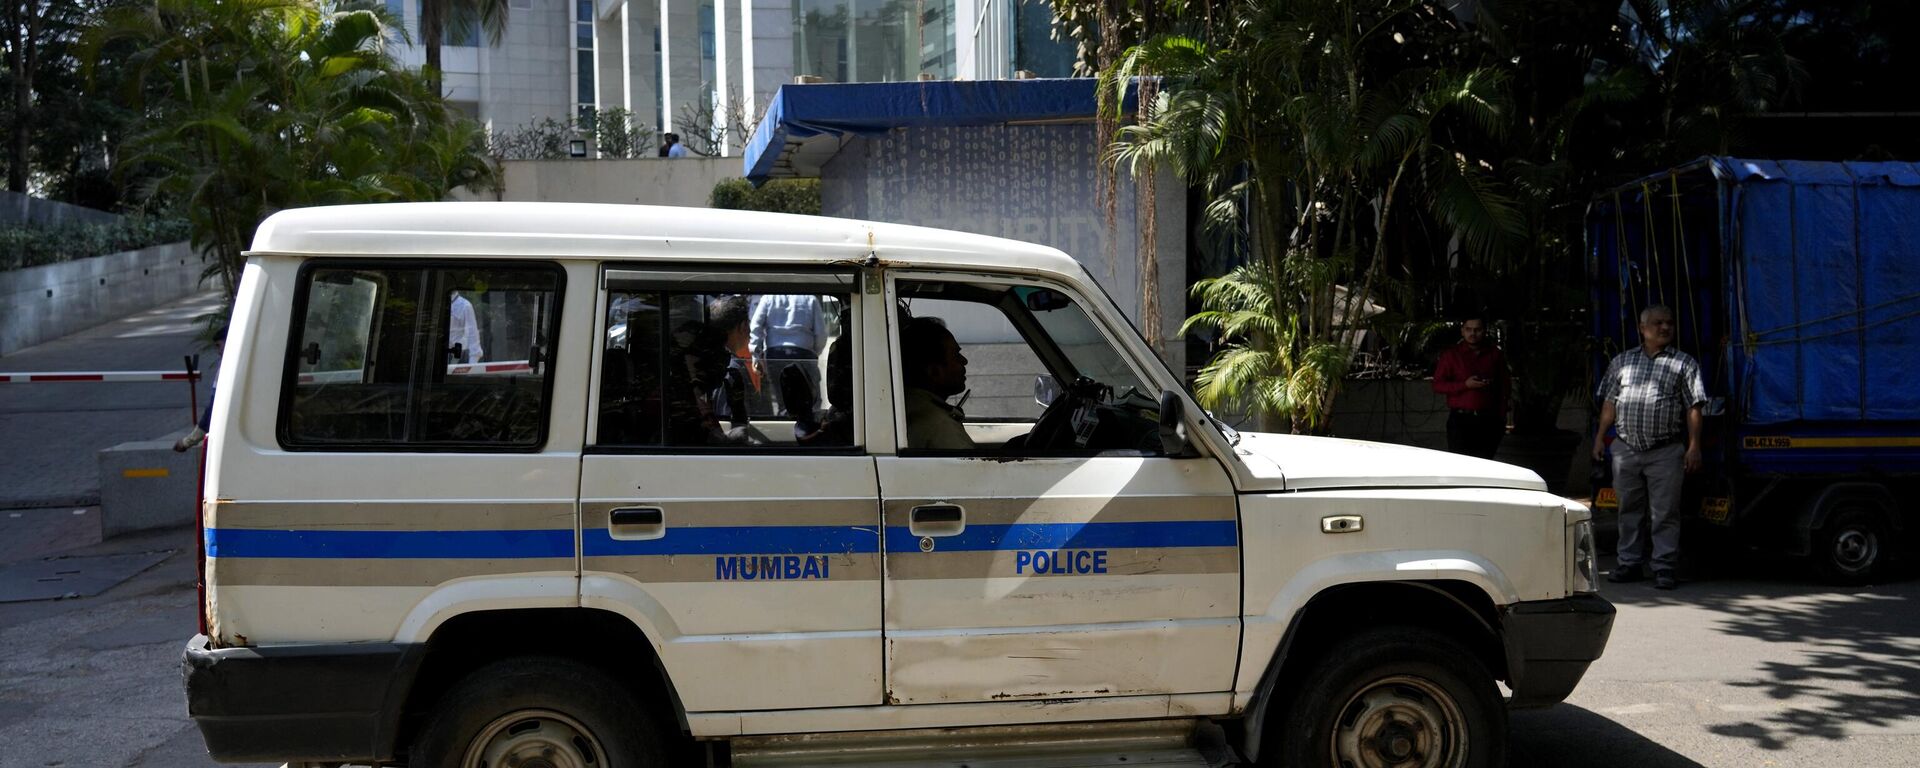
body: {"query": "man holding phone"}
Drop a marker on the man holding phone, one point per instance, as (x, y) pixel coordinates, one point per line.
(1473, 377)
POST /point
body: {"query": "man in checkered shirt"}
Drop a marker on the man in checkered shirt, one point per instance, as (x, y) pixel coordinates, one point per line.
(1653, 396)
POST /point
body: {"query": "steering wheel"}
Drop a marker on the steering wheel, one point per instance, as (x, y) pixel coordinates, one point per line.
(1054, 430)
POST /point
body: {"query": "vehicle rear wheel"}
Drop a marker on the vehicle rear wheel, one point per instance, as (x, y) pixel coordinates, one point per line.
(1855, 544)
(537, 713)
(1394, 697)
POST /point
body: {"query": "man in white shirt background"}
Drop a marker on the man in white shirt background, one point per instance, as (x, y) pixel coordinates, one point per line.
(463, 332)
(787, 331)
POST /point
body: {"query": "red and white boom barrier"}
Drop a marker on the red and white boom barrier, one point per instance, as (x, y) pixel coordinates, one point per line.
(111, 376)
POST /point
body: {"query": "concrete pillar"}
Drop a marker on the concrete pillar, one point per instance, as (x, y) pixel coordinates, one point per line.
(773, 45)
(720, 75)
(626, 57)
(609, 59)
(642, 99)
(748, 102)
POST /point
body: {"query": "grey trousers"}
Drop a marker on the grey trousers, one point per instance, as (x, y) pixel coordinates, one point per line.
(1648, 485)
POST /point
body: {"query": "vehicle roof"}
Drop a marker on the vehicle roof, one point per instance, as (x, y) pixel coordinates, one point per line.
(634, 232)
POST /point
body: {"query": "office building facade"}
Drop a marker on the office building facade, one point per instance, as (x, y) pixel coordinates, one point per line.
(705, 68)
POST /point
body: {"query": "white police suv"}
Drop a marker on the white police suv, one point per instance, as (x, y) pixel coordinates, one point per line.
(574, 485)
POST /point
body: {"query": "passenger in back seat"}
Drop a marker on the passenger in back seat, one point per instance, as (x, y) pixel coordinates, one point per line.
(709, 383)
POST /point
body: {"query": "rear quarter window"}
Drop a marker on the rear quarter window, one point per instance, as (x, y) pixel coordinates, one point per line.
(399, 356)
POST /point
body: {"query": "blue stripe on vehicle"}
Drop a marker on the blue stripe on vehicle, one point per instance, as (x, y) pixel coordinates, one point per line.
(420, 545)
(738, 540)
(1143, 535)
(741, 540)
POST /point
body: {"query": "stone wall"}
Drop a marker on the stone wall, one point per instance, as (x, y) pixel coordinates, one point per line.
(46, 302)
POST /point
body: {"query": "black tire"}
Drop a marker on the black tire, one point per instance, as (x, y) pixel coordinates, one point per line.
(1392, 696)
(1855, 544)
(573, 711)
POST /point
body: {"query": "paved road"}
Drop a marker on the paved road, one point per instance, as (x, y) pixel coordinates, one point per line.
(51, 432)
(1756, 667)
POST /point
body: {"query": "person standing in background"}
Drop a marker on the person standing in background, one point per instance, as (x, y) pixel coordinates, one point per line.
(463, 333)
(1654, 399)
(670, 145)
(1473, 376)
(787, 330)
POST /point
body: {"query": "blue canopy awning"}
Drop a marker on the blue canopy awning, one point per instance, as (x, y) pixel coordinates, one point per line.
(805, 125)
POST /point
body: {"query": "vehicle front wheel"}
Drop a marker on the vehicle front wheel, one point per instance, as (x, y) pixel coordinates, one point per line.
(537, 712)
(1855, 544)
(1393, 697)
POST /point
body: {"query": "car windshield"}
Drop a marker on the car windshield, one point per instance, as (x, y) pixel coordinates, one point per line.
(1079, 339)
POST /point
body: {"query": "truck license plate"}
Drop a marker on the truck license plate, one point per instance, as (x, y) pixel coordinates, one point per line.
(1715, 508)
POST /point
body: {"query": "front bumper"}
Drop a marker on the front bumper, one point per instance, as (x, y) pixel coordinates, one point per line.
(1549, 644)
(293, 703)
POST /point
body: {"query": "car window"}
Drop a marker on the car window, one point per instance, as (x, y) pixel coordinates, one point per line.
(988, 367)
(417, 357)
(704, 368)
(1001, 367)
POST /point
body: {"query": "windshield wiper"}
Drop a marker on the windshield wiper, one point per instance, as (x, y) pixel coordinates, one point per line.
(1233, 435)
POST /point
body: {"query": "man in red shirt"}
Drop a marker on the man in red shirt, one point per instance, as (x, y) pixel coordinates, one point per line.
(1473, 377)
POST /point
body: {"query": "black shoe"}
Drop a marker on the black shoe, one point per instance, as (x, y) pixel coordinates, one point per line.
(1622, 574)
(1664, 580)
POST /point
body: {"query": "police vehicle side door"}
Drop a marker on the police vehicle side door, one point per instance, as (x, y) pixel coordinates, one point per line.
(747, 549)
(1024, 572)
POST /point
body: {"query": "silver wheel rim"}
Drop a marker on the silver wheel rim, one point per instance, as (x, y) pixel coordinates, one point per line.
(1400, 722)
(534, 738)
(1855, 549)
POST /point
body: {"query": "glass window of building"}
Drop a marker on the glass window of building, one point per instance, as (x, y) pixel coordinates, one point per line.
(460, 22)
(583, 73)
(1034, 48)
(866, 41)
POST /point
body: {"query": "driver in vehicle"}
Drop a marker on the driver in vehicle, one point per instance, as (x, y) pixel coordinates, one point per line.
(933, 370)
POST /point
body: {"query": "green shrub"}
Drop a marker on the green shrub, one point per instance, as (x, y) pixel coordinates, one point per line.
(778, 195)
(542, 139)
(31, 246)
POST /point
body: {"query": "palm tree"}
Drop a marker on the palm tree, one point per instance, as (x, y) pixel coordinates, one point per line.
(263, 105)
(1307, 131)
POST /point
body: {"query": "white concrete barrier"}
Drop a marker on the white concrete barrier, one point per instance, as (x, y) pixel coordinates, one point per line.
(146, 485)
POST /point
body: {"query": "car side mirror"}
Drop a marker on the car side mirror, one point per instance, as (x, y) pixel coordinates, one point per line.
(1172, 421)
(1046, 389)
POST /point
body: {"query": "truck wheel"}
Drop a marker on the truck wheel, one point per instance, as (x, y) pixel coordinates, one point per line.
(1854, 545)
(537, 711)
(1395, 696)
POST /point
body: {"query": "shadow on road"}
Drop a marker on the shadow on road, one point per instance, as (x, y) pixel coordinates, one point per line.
(1566, 736)
(1860, 663)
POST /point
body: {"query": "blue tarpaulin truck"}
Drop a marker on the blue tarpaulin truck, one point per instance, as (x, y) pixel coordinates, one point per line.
(1797, 285)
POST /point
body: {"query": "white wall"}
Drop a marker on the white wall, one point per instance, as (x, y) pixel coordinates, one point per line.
(645, 181)
(1031, 183)
(772, 52)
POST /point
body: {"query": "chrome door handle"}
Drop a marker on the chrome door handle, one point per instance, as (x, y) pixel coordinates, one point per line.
(939, 519)
(637, 523)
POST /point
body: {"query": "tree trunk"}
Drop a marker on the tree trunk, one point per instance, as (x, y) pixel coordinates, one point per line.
(432, 20)
(18, 148)
(23, 28)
